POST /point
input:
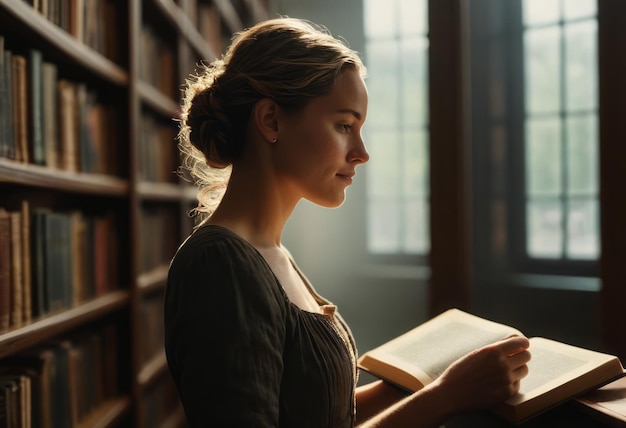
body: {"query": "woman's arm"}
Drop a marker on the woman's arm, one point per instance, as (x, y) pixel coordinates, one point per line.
(482, 378)
(375, 397)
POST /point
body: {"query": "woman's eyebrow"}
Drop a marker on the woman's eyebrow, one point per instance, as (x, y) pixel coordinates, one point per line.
(350, 111)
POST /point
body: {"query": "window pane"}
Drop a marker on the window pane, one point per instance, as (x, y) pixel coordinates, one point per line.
(414, 81)
(383, 226)
(543, 157)
(582, 227)
(581, 65)
(538, 12)
(542, 63)
(383, 177)
(415, 156)
(582, 155)
(575, 9)
(383, 84)
(413, 16)
(380, 18)
(543, 228)
(416, 237)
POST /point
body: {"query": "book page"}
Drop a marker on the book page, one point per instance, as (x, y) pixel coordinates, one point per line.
(554, 364)
(429, 349)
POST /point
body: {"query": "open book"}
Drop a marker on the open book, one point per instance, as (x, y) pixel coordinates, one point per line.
(557, 372)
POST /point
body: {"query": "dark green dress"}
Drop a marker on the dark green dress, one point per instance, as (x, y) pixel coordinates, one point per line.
(240, 353)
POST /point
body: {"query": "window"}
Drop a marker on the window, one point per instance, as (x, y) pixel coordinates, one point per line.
(561, 131)
(396, 131)
(535, 137)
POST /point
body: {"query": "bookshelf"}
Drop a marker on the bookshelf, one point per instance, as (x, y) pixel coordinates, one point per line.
(91, 209)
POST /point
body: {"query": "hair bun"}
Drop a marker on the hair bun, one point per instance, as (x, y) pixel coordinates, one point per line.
(209, 126)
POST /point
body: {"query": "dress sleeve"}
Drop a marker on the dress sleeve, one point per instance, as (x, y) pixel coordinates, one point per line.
(225, 332)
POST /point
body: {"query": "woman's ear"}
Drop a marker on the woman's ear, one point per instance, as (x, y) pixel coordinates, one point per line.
(265, 119)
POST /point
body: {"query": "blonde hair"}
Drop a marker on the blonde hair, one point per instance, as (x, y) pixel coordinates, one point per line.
(288, 60)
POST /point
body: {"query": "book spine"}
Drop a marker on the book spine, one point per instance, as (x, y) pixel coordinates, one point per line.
(20, 108)
(16, 270)
(26, 262)
(50, 115)
(36, 107)
(5, 270)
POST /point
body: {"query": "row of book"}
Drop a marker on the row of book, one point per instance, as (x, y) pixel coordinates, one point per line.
(209, 24)
(158, 404)
(158, 153)
(60, 383)
(52, 261)
(151, 320)
(92, 22)
(51, 121)
(159, 239)
(157, 62)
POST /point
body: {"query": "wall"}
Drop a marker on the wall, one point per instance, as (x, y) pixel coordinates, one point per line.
(378, 302)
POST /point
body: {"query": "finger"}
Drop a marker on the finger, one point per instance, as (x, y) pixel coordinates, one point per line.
(513, 345)
(519, 359)
(520, 373)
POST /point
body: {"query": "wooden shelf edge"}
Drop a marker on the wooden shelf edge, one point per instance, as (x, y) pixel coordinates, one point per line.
(161, 191)
(176, 419)
(259, 12)
(185, 27)
(65, 43)
(153, 280)
(29, 335)
(152, 370)
(49, 178)
(157, 100)
(108, 414)
(230, 15)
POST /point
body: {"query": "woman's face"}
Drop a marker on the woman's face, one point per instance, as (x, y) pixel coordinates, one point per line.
(319, 147)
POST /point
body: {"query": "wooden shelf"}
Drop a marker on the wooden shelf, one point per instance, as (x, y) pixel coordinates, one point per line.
(162, 191)
(175, 420)
(181, 21)
(153, 280)
(24, 337)
(152, 370)
(65, 43)
(156, 100)
(109, 414)
(75, 182)
(116, 85)
(229, 14)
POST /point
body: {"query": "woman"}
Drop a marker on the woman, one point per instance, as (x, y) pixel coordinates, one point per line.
(249, 342)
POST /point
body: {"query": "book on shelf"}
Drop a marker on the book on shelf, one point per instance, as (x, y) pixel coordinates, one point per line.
(557, 371)
(35, 92)
(49, 103)
(20, 108)
(62, 381)
(7, 141)
(210, 26)
(17, 282)
(5, 270)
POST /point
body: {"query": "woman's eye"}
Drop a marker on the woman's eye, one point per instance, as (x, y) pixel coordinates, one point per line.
(345, 128)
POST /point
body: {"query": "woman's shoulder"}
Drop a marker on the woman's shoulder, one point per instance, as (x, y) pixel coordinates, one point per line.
(218, 240)
(215, 254)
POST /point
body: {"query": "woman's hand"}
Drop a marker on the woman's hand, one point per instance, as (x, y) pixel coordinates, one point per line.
(486, 376)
